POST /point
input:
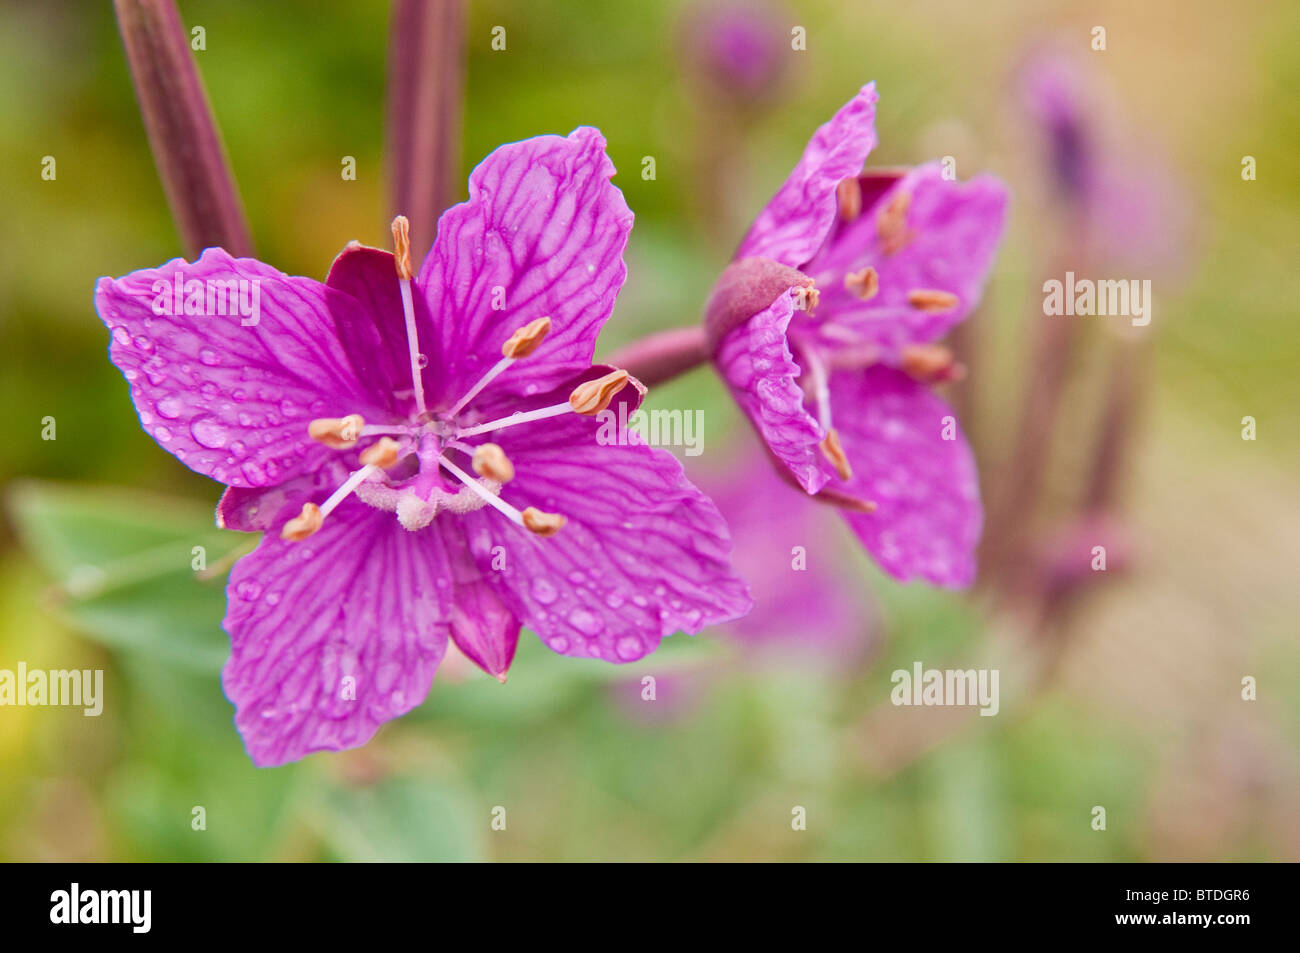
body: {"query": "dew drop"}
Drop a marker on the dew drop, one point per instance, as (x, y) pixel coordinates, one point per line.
(422, 360)
(209, 357)
(162, 434)
(614, 600)
(586, 622)
(273, 598)
(559, 644)
(143, 343)
(629, 647)
(248, 590)
(121, 336)
(208, 431)
(543, 591)
(170, 407)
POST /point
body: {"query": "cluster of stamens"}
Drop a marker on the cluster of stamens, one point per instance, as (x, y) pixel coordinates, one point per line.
(430, 437)
(928, 363)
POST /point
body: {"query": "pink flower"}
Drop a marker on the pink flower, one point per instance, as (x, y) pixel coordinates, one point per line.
(393, 523)
(824, 329)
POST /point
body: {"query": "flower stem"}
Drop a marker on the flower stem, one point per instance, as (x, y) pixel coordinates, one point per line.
(661, 356)
(426, 83)
(182, 133)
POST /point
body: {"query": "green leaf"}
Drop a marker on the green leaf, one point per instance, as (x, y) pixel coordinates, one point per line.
(402, 819)
(123, 562)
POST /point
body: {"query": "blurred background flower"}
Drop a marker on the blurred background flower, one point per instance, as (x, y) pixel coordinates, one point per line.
(1126, 695)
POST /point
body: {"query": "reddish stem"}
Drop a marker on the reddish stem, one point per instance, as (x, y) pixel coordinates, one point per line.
(182, 133)
(426, 86)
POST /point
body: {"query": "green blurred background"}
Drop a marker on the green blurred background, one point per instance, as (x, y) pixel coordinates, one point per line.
(1141, 711)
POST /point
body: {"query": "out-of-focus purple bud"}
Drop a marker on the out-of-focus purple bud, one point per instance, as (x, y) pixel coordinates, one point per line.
(737, 50)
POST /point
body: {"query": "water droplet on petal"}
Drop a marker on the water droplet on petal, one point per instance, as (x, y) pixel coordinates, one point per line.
(162, 434)
(422, 360)
(586, 622)
(208, 431)
(614, 600)
(629, 647)
(248, 590)
(121, 336)
(170, 407)
(209, 357)
(559, 644)
(543, 591)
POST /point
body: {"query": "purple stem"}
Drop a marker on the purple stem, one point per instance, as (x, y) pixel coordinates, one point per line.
(426, 85)
(662, 356)
(182, 133)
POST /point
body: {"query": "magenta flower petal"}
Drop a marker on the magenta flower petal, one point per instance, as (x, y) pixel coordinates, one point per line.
(485, 631)
(953, 232)
(260, 509)
(377, 343)
(231, 400)
(795, 223)
(643, 554)
(542, 235)
(333, 636)
(926, 488)
(756, 363)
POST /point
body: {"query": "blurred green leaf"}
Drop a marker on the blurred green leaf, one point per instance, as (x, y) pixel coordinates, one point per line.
(402, 819)
(122, 563)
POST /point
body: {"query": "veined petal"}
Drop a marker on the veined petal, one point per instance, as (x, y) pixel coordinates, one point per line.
(795, 223)
(542, 235)
(260, 509)
(926, 488)
(485, 631)
(230, 399)
(642, 555)
(376, 342)
(332, 636)
(949, 237)
(755, 361)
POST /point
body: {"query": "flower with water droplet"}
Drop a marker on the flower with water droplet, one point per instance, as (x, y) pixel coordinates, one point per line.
(824, 327)
(408, 377)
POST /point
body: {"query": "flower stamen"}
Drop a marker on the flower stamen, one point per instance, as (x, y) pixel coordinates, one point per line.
(932, 301)
(543, 524)
(382, 453)
(833, 450)
(491, 461)
(806, 298)
(337, 433)
(402, 260)
(864, 284)
(522, 343)
(930, 363)
(592, 397)
(891, 223)
(848, 195)
(312, 516)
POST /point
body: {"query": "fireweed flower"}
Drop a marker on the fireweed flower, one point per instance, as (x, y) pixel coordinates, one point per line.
(421, 452)
(824, 327)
